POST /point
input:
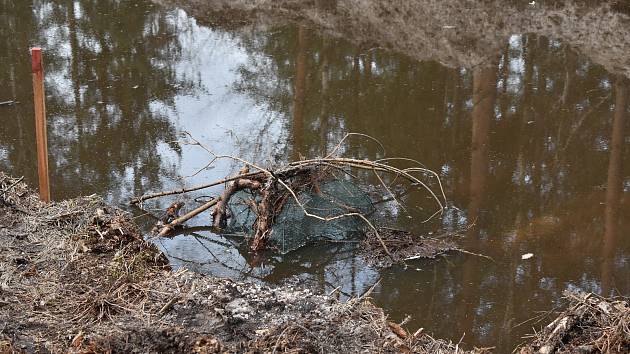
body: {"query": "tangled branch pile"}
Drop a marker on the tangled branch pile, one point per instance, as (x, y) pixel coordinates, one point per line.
(590, 324)
(270, 191)
(77, 277)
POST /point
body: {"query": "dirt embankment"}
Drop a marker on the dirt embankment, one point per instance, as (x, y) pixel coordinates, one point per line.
(454, 32)
(77, 276)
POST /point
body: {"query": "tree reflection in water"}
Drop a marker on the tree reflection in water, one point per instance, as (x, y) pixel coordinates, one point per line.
(109, 68)
(531, 148)
(539, 121)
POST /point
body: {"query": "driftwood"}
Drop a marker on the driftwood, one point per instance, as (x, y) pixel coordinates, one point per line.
(263, 222)
(274, 188)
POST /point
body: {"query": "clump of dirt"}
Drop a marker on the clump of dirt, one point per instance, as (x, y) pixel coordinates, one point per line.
(77, 276)
(590, 324)
(402, 246)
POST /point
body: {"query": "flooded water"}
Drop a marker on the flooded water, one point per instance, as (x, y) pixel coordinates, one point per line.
(530, 140)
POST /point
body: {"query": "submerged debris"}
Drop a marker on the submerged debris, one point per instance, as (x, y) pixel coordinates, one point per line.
(292, 228)
(77, 277)
(403, 246)
(590, 324)
(305, 200)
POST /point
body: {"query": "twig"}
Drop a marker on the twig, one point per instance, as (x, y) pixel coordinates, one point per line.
(353, 134)
(422, 168)
(476, 254)
(167, 306)
(392, 195)
(275, 347)
(334, 290)
(369, 291)
(142, 198)
(15, 183)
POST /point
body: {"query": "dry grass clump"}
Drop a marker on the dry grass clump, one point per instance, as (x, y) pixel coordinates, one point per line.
(590, 324)
(65, 266)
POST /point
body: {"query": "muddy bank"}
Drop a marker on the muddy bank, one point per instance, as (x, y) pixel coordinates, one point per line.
(454, 32)
(76, 276)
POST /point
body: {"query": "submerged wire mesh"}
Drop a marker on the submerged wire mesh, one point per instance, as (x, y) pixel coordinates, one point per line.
(293, 229)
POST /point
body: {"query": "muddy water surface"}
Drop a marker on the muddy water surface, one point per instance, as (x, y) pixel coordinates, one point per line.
(531, 141)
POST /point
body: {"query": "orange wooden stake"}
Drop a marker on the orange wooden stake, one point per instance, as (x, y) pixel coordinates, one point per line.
(40, 123)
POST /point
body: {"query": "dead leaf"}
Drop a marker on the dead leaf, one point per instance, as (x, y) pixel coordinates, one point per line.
(77, 340)
(399, 331)
(31, 271)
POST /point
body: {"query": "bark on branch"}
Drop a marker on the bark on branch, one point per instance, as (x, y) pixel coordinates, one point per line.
(220, 211)
(263, 222)
(182, 219)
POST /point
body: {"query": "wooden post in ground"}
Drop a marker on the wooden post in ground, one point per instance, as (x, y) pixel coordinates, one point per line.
(40, 123)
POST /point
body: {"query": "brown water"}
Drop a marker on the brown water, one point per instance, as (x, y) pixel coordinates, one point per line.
(531, 144)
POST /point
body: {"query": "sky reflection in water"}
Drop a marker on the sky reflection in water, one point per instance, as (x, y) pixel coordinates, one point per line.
(531, 147)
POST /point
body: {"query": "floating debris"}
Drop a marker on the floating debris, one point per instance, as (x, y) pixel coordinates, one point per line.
(527, 256)
(403, 246)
